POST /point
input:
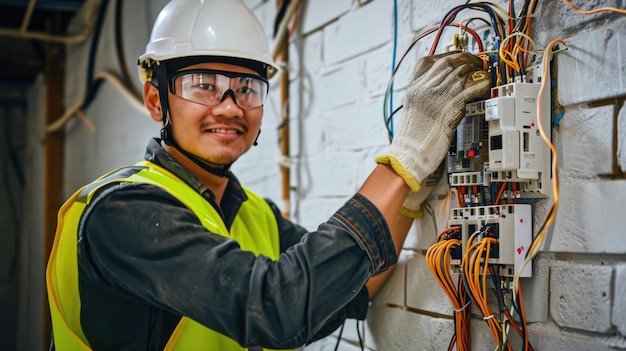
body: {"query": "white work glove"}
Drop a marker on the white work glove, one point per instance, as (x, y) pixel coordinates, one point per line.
(434, 105)
(412, 206)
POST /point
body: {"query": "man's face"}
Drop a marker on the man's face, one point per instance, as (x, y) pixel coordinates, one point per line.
(220, 133)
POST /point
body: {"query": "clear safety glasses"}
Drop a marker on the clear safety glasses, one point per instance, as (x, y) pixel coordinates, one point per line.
(210, 87)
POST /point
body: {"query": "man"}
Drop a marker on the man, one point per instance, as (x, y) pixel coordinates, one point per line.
(174, 253)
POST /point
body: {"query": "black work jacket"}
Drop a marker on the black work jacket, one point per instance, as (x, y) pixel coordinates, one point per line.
(145, 261)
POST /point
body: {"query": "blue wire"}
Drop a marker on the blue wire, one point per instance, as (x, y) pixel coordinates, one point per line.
(393, 64)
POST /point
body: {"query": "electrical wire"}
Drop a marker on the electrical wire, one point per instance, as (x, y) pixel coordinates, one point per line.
(438, 258)
(540, 238)
(339, 336)
(388, 122)
(386, 101)
(589, 12)
(121, 52)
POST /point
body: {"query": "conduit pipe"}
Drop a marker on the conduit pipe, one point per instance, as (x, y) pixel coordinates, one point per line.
(50, 38)
(281, 52)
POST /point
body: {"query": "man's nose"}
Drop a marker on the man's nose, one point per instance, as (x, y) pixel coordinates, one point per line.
(228, 106)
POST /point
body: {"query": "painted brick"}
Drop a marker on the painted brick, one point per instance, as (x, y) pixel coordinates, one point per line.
(481, 337)
(587, 140)
(592, 68)
(558, 20)
(308, 64)
(535, 290)
(320, 12)
(333, 175)
(252, 4)
(621, 139)
(580, 296)
(266, 13)
(604, 213)
(314, 211)
(409, 330)
(349, 338)
(587, 207)
(619, 304)
(339, 86)
(378, 67)
(422, 290)
(425, 14)
(366, 162)
(355, 34)
(346, 127)
(550, 337)
(567, 234)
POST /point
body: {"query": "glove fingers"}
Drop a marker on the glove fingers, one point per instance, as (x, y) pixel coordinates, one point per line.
(445, 74)
(471, 85)
(424, 64)
(433, 69)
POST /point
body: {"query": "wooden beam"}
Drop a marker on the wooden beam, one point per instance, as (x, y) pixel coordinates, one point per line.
(283, 55)
(53, 160)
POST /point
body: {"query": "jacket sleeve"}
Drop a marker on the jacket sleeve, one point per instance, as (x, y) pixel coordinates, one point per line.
(139, 241)
(290, 234)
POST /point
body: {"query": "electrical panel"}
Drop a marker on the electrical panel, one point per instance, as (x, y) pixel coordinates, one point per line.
(498, 164)
(510, 224)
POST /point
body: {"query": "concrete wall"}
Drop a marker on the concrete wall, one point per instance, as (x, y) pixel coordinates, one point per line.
(340, 66)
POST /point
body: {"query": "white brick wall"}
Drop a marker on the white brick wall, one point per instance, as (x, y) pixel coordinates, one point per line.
(340, 67)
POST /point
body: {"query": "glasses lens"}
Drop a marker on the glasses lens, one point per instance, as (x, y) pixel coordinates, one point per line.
(209, 88)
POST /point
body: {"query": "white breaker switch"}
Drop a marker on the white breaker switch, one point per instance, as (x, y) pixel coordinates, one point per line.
(517, 152)
(510, 224)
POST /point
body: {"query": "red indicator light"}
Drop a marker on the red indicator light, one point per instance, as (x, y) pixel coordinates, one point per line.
(471, 153)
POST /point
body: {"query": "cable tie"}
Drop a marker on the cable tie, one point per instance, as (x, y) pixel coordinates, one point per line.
(488, 318)
(462, 308)
(284, 161)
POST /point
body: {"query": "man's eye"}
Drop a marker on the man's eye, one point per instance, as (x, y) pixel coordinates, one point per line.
(206, 86)
(246, 90)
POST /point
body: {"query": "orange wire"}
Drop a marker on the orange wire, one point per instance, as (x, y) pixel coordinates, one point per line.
(500, 192)
(589, 12)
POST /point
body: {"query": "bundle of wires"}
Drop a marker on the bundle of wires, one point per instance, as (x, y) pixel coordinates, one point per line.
(475, 266)
(506, 60)
(438, 259)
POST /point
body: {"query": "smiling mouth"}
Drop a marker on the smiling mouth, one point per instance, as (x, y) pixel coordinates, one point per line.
(224, 131)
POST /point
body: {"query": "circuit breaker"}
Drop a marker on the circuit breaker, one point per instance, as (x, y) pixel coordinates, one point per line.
(517, 152)
(510, 224)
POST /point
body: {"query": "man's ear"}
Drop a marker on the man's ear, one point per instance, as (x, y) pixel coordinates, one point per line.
(152, 101)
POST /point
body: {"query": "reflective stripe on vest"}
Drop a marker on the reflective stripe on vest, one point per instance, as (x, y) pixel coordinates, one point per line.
(255, 216)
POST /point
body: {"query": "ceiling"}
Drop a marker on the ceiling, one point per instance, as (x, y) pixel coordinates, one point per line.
(23, 58)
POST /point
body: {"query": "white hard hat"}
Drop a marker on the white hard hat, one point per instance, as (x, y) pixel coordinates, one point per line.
(219, 28)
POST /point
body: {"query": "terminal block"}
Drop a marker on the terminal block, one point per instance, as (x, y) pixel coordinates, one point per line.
(510, 224)
(468, 150)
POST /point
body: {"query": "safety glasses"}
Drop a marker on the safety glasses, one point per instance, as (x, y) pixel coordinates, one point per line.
(210, 87)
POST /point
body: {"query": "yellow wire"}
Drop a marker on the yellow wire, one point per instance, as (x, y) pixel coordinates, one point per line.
(503, 53)
(589, 12)
(551, 214)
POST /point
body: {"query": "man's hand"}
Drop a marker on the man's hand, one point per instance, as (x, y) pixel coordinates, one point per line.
(434, 105)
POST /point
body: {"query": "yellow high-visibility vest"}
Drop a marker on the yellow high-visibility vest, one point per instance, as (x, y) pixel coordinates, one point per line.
(255, 216)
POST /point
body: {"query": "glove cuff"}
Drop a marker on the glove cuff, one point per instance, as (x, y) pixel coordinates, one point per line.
(417, 214)
(390, 160)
